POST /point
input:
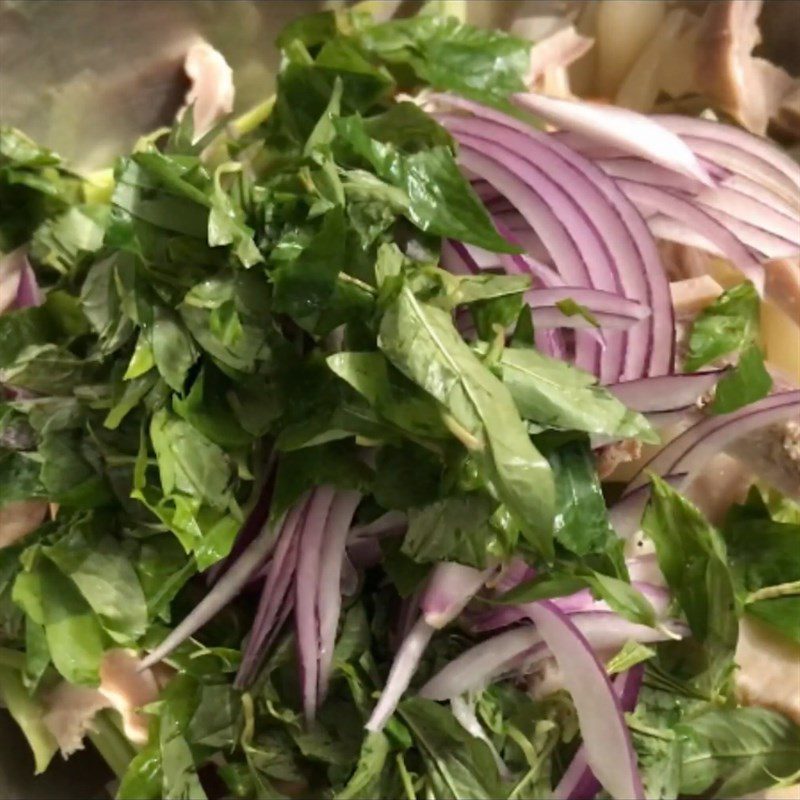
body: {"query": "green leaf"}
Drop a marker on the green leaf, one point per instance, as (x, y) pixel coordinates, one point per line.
(581, 522)
(97, 565)
(29, 715)
(422, 342)
(143, 778)
(406, 475)
(692, 557)
(747, 382)
(458, 764)
(556, 394)
(304, 285)
(729, 324)
(781, 613)
(450, 55)
(389, 392)
(173, 349)
(188, 462)
(61, 242)
(74, 635)
(737, 751)
(631, 654)
(441, 200)
(456, 529)
(371, 763)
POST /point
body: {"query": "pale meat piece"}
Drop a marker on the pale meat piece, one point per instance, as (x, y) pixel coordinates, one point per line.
(70, 709)
(20, 518)
(212, 91)
(691, 295)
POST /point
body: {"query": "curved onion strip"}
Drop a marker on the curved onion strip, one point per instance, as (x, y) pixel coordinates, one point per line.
(609, 750)
(643, 277)
(665, 392)
(686, 212)
(767, 245)
(12, 267)
(750, 188)
(688, 452)
(597, 230)
(625, 515)
(450, 587)
(388, 523)
(403, 668)
(611, 310)
(306, 581)
(741, 162)
(220, 595)
(620, 128)
(274, 594)
(754, 211)
(762, 211)
(579, 782)
(550, 212)
(329, 592)
(521, 648)
(736, 137)
(672, 230)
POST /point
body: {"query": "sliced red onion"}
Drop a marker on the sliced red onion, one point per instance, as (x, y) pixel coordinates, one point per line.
(750, 188)
(745, 207)
(671, 230)
(687, 212)
(610, 310)
(254, 522)
(521, 648)
(277, 586)
(625, 515)
(645, 568)
(403, 668)
(349, 582)
(329, 596)
(609, 750)
(306, 583)
(762, 243)
(641, 272)
(637, 169)
(391, 522)
(728, 137)
(476, 668)
(688, 452)
(619, 128)
(450, 587)
(28, 292)
(665, 392)
(589, 221)
(18, 287)
(220, 595)
(741, 162)
(579, 782)
(512, 574)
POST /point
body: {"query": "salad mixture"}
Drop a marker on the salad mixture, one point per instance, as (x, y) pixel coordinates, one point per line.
(414, 435)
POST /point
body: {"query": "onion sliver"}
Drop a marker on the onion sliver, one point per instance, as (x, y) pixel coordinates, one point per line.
(609, 750)
(688, 452)
(277, 585)
(685, 211)
(666, 392)
(625, 515)
(220, 595)
(579, 782)
(743, 141)
(610, 310)
(305, 605)
(329, 592)
(620, 128)
(642, 278)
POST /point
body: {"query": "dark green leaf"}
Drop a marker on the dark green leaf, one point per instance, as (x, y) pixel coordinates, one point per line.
(747, 382)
